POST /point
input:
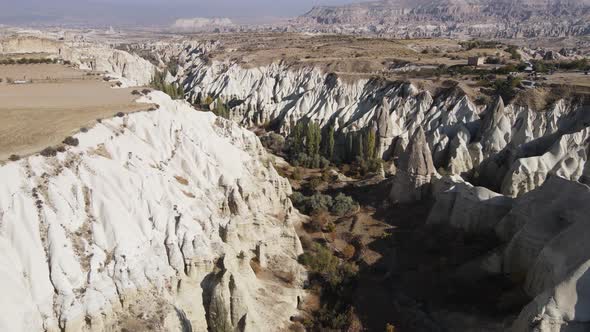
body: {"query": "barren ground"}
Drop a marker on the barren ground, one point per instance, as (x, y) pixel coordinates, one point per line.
(409, 272)
(37, 115)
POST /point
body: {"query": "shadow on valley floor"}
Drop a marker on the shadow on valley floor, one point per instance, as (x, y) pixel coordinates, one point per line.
(417, 277)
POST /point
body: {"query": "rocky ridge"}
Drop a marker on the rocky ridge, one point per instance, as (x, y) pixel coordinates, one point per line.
(172, 207)
(446, 18)
(503, 164)
(508, 148)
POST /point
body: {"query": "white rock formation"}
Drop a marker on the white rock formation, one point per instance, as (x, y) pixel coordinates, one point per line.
(200, 24)
(493, 146)
(546, 232)
(551, 250)
(473, 209)
(154, 218)
(415, 173)
(129, 69)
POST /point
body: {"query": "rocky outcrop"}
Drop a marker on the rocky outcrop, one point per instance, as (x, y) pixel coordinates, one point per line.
(129, 69)
(152, 222)
(384, 130)
(490, 147)
(30, 44)
(544, 231)
(447, 18)
(473, 209)
(416, 171)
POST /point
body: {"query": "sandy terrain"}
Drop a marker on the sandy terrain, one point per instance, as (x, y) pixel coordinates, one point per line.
(35, 116)
(44, 72)
(343, 54)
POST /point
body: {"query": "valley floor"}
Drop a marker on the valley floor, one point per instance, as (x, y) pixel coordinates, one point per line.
(411, 276)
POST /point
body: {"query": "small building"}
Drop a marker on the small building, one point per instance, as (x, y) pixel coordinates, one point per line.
(475, 61)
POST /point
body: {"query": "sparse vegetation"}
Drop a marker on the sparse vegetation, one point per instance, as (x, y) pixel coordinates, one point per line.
(335, 279)
(26, 61)
(71, 141)
(343, 205)
(49, 152)
(159, 83)
(506, 88)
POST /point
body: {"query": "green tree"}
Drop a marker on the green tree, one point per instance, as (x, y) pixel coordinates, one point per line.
(330, 143)
(360, 147)
(350, 146)
(298, 138)
(370, 144)
(221, 109)
(313, 139)
(207, 100)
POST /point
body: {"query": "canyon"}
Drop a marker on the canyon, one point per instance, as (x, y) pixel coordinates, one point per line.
(174, 218)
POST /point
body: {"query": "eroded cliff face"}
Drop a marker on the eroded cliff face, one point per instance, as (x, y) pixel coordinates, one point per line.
(510, 170)
(129, 69)
(510, 149)
(154, 222)
(544, 232)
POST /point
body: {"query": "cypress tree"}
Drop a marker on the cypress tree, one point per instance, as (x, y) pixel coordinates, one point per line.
(370, 145)
(330, 143)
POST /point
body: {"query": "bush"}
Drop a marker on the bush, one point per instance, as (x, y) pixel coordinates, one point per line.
(330, 227)
(321, 261)
(343, 205)
(319, 202)
(315, 183)
(120, 114)
(71, 141)
(273, 142)
(319, 220)
(49, 152)
(348, 252)
(146, 91)
(298, 199)
(311, 204)
(506, 88)
(14, 157)
(84, 130)
(135, 93)
(297, 173)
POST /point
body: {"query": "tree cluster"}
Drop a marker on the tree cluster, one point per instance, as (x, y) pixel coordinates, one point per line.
(308, 147)
(24, 61)
(159, 83)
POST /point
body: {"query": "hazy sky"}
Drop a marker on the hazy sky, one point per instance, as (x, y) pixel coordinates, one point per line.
(148, 12)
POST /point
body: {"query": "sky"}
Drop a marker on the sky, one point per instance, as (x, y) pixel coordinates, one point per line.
(148, 12)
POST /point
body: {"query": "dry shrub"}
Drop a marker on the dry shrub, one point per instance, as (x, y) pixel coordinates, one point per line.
(120, 114)
(348, 252)
(14, 157)
(319, 219)
(49, 152)
(306, 242)
(71, 141)
(255, 266)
